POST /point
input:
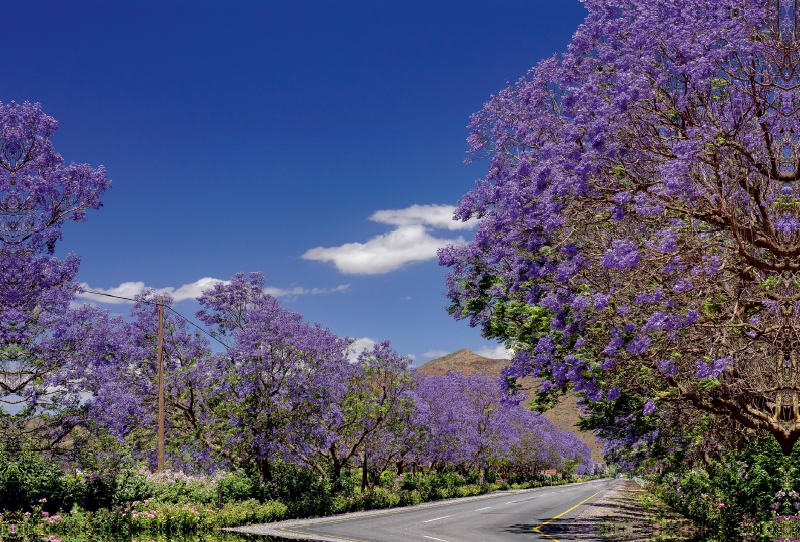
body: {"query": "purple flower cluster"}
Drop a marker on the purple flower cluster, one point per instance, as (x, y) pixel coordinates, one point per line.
(469, 424)
(285, 389)
(38, 194)
(651, 168)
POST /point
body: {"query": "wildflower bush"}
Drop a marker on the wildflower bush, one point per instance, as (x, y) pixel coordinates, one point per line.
(29, 478)
(176, 487)
(753, 494)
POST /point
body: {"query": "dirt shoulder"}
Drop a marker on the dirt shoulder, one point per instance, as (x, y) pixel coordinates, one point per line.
(625, 512)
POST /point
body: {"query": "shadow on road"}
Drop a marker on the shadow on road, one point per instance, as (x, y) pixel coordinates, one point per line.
(601, 529)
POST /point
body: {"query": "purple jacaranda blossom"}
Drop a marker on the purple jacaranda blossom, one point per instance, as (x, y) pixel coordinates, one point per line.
(703, 370)
(787, 224)
(667, 367)
(375, 420)
(601, 301)
(682, 285)
(639, 345)
(719, 365)
(280, 375)
(621, 198)
(39, 193)
(638, 148)
(623, 255)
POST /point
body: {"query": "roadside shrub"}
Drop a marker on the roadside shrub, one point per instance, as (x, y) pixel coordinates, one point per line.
(291, 483)
(33, 481)
(342, 504)
(438, 480)
(409, 498)
(88, 492)
(132, 486)
(154, 517)
(235, 486)
(29, 479)
(176, 487)
(388, 479)
(410, 481)
(380, 498)
(751, 489)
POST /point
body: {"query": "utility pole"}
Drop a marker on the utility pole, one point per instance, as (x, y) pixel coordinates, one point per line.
(160, 465)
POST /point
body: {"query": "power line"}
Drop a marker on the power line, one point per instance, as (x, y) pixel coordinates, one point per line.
(163, 305)
(198, 327)
(120, 297)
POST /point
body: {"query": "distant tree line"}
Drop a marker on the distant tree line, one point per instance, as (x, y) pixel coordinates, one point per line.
(261, 387)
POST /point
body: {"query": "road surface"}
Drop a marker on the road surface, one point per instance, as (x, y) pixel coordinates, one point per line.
(538, 514)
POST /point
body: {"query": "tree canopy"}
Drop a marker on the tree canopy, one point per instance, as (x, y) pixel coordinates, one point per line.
(38, 194)
(82, 384)
(640, 222)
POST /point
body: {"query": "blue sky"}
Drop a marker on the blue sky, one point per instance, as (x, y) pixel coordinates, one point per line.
(263, 136)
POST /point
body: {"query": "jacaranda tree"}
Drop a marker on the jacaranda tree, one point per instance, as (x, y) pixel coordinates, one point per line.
(277, 378)
(119, 379)
(38, 194)
(468, 423)
(640, 221)
(367, 416)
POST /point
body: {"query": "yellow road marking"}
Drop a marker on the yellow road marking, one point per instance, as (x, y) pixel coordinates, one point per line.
(538, 527)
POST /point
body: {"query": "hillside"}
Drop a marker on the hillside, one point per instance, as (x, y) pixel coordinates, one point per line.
(564, 415)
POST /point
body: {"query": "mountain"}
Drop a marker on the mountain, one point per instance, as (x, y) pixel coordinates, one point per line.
(564, 415)
(465, 361)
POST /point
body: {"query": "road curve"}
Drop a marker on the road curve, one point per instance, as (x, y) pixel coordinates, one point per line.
(502, 516)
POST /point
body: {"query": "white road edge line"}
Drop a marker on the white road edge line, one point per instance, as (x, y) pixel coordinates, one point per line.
(434, 519)
(432, 538)
(479, 509)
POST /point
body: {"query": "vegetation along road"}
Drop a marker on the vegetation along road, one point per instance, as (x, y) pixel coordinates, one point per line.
(503, 517)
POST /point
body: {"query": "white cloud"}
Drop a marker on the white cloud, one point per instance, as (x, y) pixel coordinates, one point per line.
(126, 289)
(132, 289)
(497, 352)
(192, 290)
(188, 291)
(358, 346)
(297, 290)
(365, 343)
(410, 241)
(437, 216)
(383, 253)
(435, 353)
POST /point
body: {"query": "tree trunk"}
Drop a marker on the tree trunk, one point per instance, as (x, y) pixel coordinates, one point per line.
(264, 472)
(364, 472)
(337, 470)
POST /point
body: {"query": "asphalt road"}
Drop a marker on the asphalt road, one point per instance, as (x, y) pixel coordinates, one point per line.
(503, 517)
